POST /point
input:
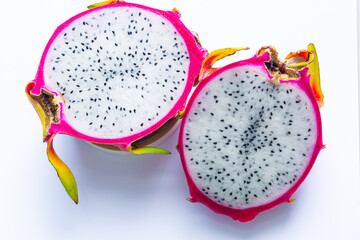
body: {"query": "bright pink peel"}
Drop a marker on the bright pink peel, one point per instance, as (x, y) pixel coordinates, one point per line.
(105, 69)
(240, 155)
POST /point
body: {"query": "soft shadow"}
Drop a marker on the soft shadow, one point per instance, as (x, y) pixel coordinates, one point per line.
(265, 223)
(114, 177)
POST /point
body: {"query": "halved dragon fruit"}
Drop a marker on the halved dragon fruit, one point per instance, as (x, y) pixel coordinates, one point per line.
(251, 131)
(114, 75)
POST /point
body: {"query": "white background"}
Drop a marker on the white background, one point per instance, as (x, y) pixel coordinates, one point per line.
(144, 197)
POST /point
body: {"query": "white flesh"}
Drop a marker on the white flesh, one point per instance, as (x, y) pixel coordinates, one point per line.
(120, 70)
(247, 141)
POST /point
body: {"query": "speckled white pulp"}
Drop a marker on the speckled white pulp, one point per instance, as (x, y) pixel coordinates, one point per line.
(246, 140)
(120, 70)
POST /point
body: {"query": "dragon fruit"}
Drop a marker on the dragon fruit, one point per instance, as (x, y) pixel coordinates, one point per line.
(251, 131)
(114, 75)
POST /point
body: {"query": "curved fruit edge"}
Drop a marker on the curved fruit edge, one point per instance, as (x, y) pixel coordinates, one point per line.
(246, 215)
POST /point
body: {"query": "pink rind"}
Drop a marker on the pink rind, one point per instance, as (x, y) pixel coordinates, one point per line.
(197, 55)
(249, 214)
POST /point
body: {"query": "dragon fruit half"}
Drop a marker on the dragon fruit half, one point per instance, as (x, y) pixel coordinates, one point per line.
(251, 131)
(114, 75)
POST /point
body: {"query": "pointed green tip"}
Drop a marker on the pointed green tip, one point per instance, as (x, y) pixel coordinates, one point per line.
(68, 181)
(65, 175)
(101, 4)
(74, 197)
(145, 150)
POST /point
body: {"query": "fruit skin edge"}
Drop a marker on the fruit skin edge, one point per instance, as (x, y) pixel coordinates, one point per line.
(249, 214)
(161, 137)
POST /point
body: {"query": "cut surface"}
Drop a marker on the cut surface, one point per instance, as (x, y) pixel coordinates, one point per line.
(131, 68)
(247, 141)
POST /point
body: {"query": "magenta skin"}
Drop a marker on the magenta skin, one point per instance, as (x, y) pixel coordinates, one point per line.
(248, 214)
(196, 53)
